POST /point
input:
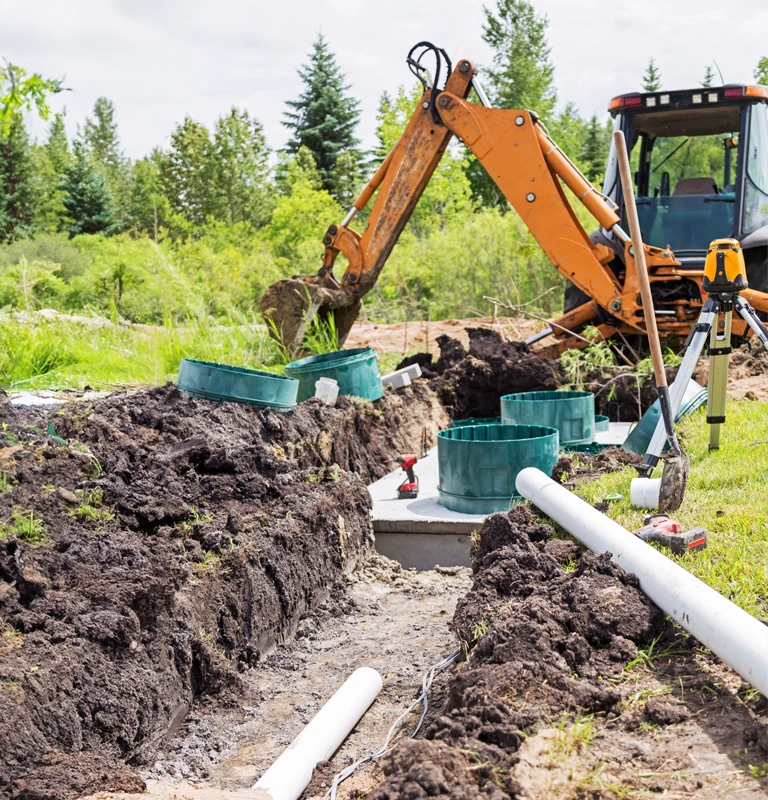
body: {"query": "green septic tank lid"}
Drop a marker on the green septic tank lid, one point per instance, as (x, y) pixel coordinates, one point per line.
(222, 382)
(356, 371)
(571, 412)
(478, 464)
(640, 437)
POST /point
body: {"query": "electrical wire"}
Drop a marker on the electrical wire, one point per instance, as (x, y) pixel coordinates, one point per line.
(422, 699)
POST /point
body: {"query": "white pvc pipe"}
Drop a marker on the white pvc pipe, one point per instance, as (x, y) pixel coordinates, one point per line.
(739, 639)
(644, 492)
(291, 773)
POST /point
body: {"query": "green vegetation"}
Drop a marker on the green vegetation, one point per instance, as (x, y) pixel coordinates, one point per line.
(724, 496)
(90, 509)
(25, 526)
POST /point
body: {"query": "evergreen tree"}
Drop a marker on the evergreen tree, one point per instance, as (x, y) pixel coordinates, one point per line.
(86, 196)
(761, 71)
(595, 148)
(709, 77)
(522, 75)
(188, 172)
(241, 168)
(651, 77)
(17, 183)
(50, 161)
(348, 177)
(324, 117)
(102, 145)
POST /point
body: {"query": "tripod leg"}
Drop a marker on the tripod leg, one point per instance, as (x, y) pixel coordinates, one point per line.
(696, 341)
(749, 315)
(719, 355)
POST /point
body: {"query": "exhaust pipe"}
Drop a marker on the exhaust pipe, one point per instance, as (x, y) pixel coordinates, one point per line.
(735, 636)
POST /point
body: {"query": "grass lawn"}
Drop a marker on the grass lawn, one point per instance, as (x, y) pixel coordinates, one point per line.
(727, 494)
(64, 354)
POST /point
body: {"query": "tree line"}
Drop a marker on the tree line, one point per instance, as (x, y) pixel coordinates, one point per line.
(276, 205)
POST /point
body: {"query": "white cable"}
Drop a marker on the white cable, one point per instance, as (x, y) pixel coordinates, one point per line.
(423, 698)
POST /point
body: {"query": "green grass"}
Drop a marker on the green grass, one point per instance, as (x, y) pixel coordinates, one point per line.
(64, 354)
(726, 495)
(23, 525)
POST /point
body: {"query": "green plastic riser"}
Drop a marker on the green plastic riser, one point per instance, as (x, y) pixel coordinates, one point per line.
(572, 413)
(478, 464)
(356, 371)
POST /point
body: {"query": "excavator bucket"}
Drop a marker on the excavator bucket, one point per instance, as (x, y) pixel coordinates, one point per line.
(291, 306)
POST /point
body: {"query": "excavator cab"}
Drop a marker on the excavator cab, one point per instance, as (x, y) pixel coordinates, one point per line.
(700, 166)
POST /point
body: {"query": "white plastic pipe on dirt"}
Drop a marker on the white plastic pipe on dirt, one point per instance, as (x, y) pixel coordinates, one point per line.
(728, 631)
(290, 775)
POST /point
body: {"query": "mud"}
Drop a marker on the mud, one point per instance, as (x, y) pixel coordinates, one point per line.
(469, 383)
(181, 541)
(553, 638)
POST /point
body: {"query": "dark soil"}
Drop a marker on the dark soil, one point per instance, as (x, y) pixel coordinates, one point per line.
(544, 641)
(590, 468)
(469, 384)
(182, 540)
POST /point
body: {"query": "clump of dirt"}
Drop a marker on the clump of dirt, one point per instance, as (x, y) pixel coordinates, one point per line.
(572, 469)
(173, 543)
(542, 639)
(469, 384)
(621, 394)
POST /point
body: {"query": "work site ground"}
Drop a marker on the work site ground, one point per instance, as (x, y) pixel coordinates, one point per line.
(184, 583)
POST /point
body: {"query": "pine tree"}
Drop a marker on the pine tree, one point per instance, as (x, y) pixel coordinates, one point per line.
(86, 197)
(651, 77)
(188, 172)
(241, 168)
(324, 116)
(761, 71)
(102, 145)
(51, 159)
(594, 151)
(522, 75)
(709, 77)
(18, 194)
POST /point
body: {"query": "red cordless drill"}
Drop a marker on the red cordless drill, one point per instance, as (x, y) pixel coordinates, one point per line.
(668, 533)
(409, 488)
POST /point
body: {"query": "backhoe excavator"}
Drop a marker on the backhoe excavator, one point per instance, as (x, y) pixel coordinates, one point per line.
(713, 143)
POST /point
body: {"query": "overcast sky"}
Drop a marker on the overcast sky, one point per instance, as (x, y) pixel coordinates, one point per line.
(158, 60)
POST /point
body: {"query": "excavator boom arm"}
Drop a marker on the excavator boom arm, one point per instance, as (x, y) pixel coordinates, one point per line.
(531, 171)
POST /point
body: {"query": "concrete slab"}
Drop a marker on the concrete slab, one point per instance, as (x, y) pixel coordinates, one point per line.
(420, 533)
(423, 514)
(616, 434)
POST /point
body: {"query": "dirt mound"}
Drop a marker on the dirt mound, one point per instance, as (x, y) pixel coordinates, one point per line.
(173, 543)
(544, 640)
(571, 469)
(469, 384)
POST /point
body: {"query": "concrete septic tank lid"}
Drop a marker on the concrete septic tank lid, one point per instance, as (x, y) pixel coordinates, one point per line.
(478, 464)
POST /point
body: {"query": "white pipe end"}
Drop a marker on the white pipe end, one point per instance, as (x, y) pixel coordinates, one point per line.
(644, 492)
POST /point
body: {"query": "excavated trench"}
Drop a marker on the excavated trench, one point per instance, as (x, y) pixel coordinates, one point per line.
(181, 543)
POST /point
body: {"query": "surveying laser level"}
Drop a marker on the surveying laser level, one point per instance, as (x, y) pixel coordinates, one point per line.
(725, 275)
